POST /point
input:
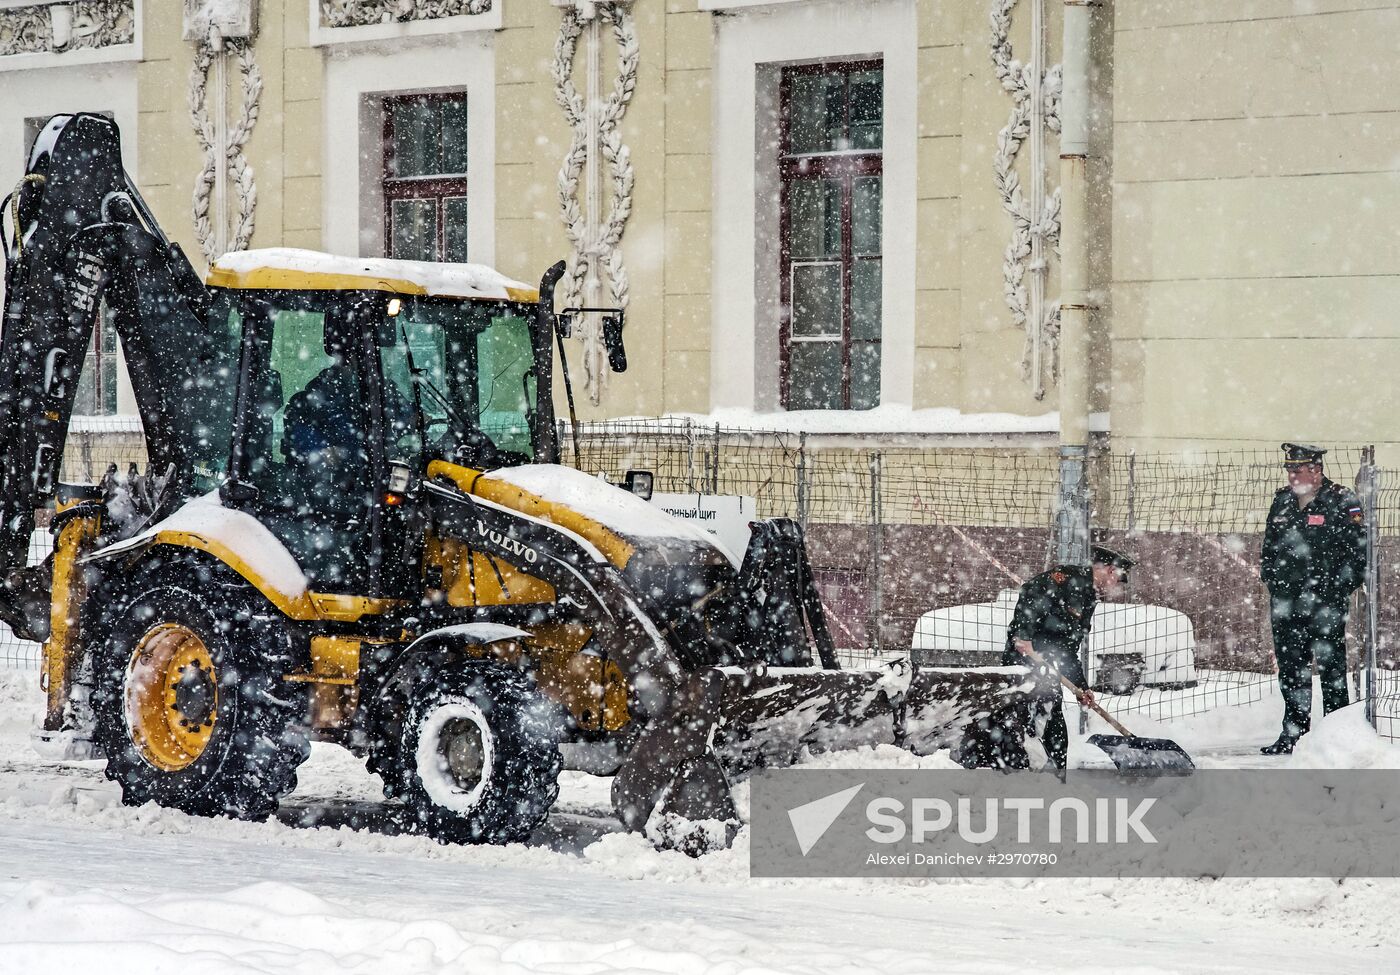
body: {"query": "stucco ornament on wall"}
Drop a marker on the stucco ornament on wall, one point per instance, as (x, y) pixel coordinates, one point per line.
(358, 13)
(53, 28)
(595, 235)
(223, 30)
(1034, 212)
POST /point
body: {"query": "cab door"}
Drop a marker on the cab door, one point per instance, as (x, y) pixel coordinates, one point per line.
(302, 459)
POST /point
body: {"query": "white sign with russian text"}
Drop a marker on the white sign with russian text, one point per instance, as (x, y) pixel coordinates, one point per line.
(726, 516)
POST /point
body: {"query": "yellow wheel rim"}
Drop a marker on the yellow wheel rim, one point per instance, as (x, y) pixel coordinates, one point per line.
(172, 697)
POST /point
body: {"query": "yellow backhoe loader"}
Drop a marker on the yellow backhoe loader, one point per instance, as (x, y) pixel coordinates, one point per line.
(354, 527)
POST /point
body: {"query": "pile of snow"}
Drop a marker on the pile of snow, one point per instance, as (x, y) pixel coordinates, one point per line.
(886, 418)
(454, 280)
(1342, 740)
(116, 423)
(21, 708)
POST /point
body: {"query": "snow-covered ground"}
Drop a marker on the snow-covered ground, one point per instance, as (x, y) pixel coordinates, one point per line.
(87, 884)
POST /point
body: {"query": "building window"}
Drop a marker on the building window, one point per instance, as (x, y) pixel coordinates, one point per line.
(97, 382)
(425, 176)
(830, 170)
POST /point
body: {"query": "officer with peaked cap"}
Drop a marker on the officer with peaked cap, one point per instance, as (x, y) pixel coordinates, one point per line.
(1313, 559)
(1052, 617)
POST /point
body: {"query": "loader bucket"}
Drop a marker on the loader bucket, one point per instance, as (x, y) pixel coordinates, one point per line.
(728, 721)
(723, 722)
(770, 715)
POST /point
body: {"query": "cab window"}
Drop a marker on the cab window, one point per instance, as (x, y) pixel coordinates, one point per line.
(306, 443)
(209, 394)
(506, 383)
(476, 380)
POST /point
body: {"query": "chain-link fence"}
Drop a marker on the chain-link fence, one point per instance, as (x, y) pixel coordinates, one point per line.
(1381, 629)
(888, 530)
(922, 550)
(94, 447)
(94, 444)
(14, 652)
(1196, 616)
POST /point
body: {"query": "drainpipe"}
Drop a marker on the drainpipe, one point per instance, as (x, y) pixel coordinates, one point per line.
(1072, 527)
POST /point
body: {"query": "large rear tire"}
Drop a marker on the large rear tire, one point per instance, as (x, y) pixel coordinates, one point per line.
(190, 706)
(478, 758)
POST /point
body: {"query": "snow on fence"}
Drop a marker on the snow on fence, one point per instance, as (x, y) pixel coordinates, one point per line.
(95, 443)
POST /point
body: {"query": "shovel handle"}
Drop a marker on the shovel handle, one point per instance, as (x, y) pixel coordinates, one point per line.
(1076, 690)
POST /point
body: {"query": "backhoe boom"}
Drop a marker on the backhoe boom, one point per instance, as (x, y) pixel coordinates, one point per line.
(81, 240)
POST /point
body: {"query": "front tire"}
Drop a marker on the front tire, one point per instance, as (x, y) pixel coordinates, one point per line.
(190, 706)
(478, 756)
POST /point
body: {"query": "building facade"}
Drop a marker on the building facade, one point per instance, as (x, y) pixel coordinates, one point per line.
(845, 209)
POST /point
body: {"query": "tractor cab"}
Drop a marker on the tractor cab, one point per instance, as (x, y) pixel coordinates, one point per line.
(355, 375)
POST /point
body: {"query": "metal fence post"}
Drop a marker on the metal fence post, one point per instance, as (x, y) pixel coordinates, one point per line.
(877, 589)
(801, 486)
(1132, 490)
(90, 474)
(714, 462)
(1368, 486)
(690, 456)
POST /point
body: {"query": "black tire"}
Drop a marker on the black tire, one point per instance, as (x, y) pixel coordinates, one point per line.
(508, 731)
(252, 720)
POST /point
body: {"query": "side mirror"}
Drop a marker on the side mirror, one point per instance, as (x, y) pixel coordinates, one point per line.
(612, 340)
(638, 483)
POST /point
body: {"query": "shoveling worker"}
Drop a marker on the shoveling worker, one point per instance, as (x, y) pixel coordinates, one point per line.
(1313, 559)
(1052, 617)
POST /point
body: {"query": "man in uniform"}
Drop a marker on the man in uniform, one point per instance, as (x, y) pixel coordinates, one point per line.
(1052, 617)
(1313, 559)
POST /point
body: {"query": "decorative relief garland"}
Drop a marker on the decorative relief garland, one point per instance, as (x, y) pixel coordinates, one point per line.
(96, 24)
(594, 240)
(359, 13)
(1017, 79)
(240, 171)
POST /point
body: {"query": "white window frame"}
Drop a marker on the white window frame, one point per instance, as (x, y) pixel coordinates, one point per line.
(356, 83)
(751, 47)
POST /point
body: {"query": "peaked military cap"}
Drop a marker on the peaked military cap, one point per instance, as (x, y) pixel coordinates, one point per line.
(1301, 453)
(1108, 556)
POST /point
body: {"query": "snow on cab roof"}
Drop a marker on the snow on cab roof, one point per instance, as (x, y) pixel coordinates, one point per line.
(292, 267)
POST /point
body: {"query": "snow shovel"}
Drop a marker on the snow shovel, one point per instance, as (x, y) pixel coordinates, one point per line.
(1145, 756)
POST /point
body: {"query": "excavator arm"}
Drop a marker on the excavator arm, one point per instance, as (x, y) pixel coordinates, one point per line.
(80, 240)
